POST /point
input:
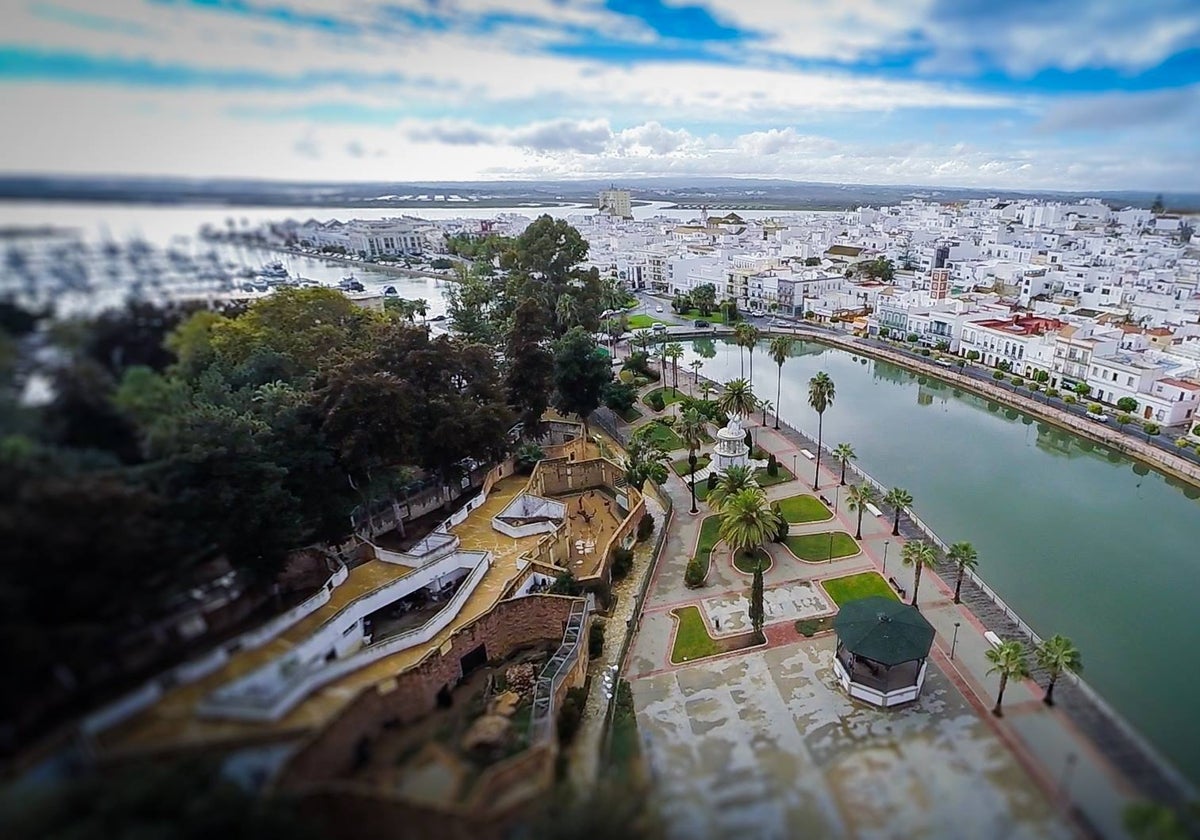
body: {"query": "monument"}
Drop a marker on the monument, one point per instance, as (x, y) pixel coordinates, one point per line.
(731, 449)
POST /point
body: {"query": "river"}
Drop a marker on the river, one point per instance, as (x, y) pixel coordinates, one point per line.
(1078, 539)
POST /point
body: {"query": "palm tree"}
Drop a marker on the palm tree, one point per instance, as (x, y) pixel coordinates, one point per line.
(737, 398)
(843, 453)
(747, 522)
(919, 555)
(642, 338)
(766, 405)
(566, 311)
(695, 365)
(706, 388)
(1057, 654)
(731, 482)
(820, 397)
(741, 339)
(899, 499)
(1008, 660)
(753, 334)
(857, 498)
(691, 428)
(645, 459)
(964, 556)
(674, 352)
(780, 349)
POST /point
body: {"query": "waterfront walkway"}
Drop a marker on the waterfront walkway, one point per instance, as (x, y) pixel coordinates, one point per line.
(1081, 762)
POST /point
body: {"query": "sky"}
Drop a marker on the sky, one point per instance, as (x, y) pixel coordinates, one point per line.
(1020, 94)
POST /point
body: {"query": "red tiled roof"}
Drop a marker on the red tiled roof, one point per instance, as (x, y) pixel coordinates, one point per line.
(1181, 383)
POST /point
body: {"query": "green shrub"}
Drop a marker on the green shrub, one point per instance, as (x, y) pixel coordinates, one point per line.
(1070, 399)
(1094, 408)
(596, 639)
(1127, 404)
(1124, 419)
(924, 351)
(781, 534)
(1016, 380)
(772, 465)
(528, 454)
(1035, 386)
(911, 338)
(712, 481)
(997, 375)
(1198, 448)
(656, 401)
(1196, 431)
(645, 527)
(1051, 392)
(1151, 428)
(695, 572)
(622, 562)
(1182, 442)
(972, 355)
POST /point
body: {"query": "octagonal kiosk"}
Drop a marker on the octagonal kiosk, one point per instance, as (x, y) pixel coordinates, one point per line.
(731, 449)
(882, 647)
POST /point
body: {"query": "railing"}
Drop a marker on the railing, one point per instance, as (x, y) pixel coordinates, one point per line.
(557, 668)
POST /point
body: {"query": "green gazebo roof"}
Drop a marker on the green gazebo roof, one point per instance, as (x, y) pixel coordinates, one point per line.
(883, 630)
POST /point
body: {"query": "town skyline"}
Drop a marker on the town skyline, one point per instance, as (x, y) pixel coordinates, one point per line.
(1042, 97)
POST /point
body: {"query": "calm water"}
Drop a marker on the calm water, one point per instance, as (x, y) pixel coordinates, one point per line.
(1077, 539)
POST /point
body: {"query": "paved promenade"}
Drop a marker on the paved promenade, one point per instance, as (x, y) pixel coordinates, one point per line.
(1054, 757)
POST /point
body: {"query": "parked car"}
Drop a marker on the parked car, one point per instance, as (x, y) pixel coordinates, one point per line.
(658, 308)
(701, 324)
(1099, 418)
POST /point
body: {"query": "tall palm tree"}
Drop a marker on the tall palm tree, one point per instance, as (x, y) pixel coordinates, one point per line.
(753, 335)
(820, 397)
(1008, 660)
(734, 480)
(641, 339)
(857, 498)
(741, 339)
(766, 405)
(737, 398)
(674, 352)
(780, 349)
(1057, 654)
(747, 522)
(696, 365)
(899, 499)
(690, 429)
(964, 556)
(706, 388)
(919, 555)
(843, 453)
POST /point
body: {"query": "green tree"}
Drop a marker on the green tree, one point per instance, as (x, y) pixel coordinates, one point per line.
(741, 337)
(691, 428)
(843, 453)
(645, 460)
(747, 523)
(1056, 655)
(581, 370)
(1127, 405)
(964, 557)
(705, 298)
(1082, 389)
(766, 406)
(780, 349)
(1157, 206)
(732, 481)
(529, 367)
(737, 399)
(1008, 660)
(751, 336)
(674, 352)
(919, 555)
(566, 311)
(820, 396)
(757, 610)
(857, 498)
(899, 499)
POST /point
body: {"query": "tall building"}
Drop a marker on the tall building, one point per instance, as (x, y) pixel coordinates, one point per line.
(615, 202)
(939, 284)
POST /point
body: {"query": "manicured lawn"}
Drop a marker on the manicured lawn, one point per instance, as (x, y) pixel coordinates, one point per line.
(853, 587)
(701, 490)
(716, 317)
(691, 638)
(765, 479)
(669, 396)
(812, 626)
(814, 548)
(710, 535)
(642, 322)
(665, 436)
(804, 508)
(682, 467)
(745, 561)
(630, 415)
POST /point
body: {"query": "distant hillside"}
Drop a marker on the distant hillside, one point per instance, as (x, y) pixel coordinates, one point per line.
(718, 193)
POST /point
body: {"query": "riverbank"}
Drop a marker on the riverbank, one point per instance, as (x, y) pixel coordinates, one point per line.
(1122, 747)
(385, 268)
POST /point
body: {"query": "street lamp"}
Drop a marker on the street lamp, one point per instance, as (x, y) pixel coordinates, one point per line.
(837, 492)
(793, 465)
(954, 643)
(886, 545)
(1066, 776)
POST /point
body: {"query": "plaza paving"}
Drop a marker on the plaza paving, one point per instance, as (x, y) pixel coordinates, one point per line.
(765, 745)
(787, 602)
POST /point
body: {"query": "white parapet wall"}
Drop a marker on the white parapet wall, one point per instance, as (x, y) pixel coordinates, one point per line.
(528, 515)
(273, 689)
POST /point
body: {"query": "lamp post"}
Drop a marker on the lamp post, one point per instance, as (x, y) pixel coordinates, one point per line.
(1066, 776)
(793, 465)
(886, 545)
(836, 498)
(954, 642)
